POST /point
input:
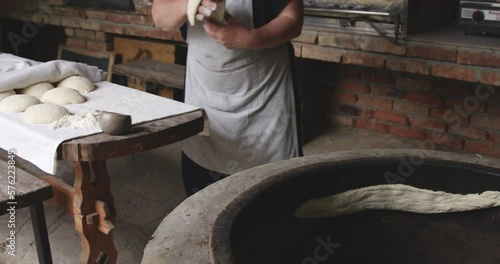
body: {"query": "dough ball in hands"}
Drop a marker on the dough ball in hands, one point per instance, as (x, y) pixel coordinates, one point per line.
(18, 103)
(63, 96)
(79, 83)
(36, 90)
(6, 94)
(45, 113)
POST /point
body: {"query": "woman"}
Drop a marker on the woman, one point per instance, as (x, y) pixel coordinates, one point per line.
(239, 72)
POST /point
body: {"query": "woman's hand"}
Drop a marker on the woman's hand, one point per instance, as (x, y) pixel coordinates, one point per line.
(206, 8)
(232, 35)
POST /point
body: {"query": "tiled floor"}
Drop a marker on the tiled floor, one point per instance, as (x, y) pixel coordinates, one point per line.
(146, 188)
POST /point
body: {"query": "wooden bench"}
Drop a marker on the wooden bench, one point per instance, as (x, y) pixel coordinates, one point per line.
(154, 74)
(21, 188)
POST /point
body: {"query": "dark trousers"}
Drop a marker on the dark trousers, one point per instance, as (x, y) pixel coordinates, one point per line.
(196, 177)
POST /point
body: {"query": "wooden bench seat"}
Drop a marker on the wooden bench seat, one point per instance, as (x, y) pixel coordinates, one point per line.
(20, 188)
(167, 74)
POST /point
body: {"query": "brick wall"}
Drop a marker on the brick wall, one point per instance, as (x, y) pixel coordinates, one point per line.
(434, 112)
(413, 89)
(87, 28)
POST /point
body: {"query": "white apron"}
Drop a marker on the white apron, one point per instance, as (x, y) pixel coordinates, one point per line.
(247, 96)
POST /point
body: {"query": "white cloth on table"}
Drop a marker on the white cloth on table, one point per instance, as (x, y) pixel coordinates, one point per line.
(17, 72)
(38, 143)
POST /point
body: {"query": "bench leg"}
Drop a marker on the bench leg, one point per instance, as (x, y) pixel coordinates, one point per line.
(41, 235)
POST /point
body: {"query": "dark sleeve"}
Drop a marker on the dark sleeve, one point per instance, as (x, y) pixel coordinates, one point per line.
(266, 10)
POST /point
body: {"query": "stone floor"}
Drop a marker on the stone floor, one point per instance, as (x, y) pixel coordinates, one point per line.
(146, 188)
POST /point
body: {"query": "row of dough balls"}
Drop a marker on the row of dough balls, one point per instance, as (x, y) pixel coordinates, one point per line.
(30, 99)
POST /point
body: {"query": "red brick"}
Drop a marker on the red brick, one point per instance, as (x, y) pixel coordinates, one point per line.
(70, 32)
(378, 77)
(119, 18)
(414, 66)
(71, 12)
(487, 121)
(310, 37)
(427, 124)
(82, 33)
(355, 86)
(413, 84)
(99, 46)
(76, 43)
(347, 98)
(407, 132)
(469, 132)
(363, 59)
(434, 52)
(410, 108)
(378, 103)
(321, 53)
(387, 91)
(463, 73)
(491, 77)
(344, 41)
(95, 14)
(370, 125)
(454, 89)
(483, 148)
(160, 34)
(481, 57)
(344, 120)
(57, 21)
(112, 28)
(366, 113)
(141, 20)
(90, 25)
(391, 117)
(453, 101)
(423, 98)
(381, 45)
(495, 137)
(142, 9)
(448, 115)
(103, 36)
(70, 22)
(445, 140)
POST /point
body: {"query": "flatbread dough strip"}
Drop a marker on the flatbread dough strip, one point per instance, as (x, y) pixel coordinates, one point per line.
(192, 9)
(395, 197)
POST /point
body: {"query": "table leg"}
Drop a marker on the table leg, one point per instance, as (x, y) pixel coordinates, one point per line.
(40, 232)
(92, 191)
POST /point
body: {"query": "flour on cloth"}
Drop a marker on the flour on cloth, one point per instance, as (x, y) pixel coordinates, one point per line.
(396, 197)
(88, 120)
(26, 72)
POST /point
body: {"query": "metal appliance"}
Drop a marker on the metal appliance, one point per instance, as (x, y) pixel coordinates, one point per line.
(390, 18)
(481, 17)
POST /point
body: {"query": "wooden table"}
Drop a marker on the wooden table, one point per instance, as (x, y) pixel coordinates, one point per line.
(90, 200)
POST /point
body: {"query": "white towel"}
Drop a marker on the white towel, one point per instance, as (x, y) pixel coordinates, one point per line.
(17, 72)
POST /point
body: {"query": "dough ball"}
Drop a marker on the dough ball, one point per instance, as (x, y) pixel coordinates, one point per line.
(63, 96)
(79, 83)
(6, 94)
(18, 103)
(37, 90)
(44, 113)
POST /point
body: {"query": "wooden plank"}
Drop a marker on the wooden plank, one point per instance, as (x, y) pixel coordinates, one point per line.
(142, 137)
(28, 188)
(132, 49)
(167, 74)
